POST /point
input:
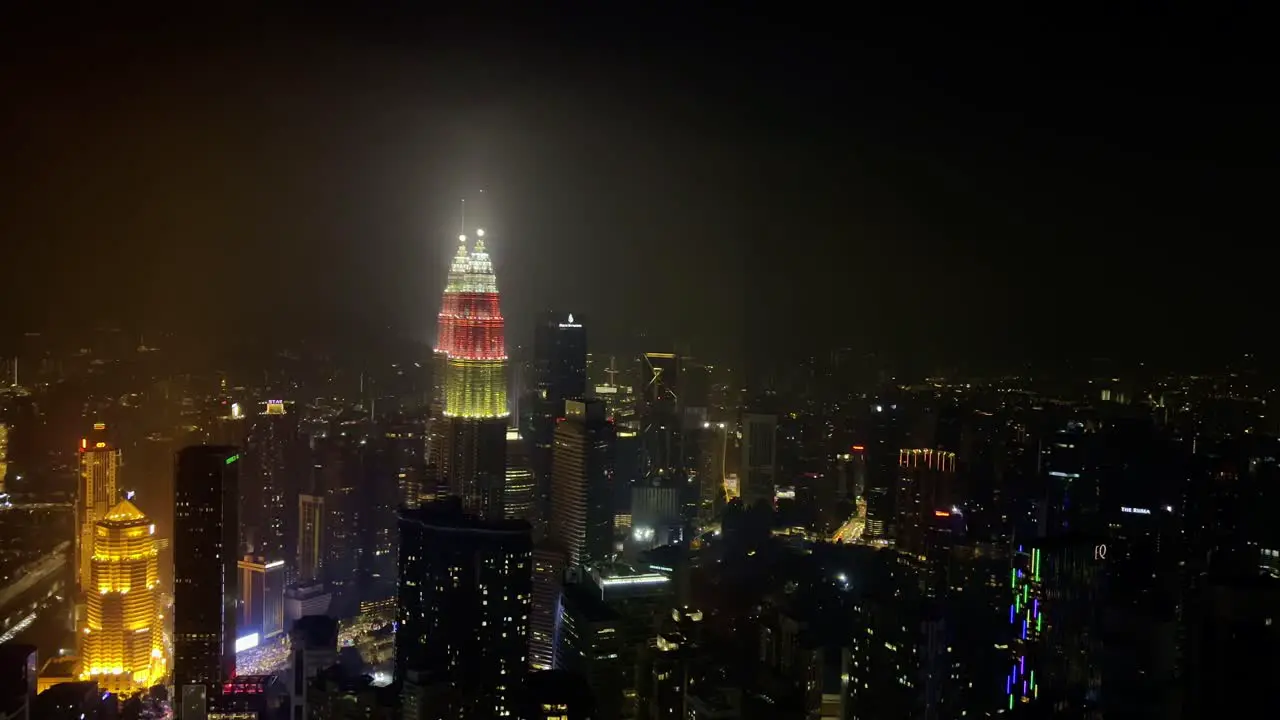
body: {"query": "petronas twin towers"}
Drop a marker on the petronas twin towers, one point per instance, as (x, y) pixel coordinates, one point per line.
(471, 350)
(471, 336)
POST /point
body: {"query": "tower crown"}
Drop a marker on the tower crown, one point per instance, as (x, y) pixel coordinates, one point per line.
(471, 333)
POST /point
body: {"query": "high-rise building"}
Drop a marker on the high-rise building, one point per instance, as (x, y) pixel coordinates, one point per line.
(269, 479)
(311, 548)
(518, 492)
(660, 416)
(463, 612)
(470, 450)
(1057, 601)
(206, 497)
(559, 374)
(549, 565)
(589, 642)
(339, 476)
(19, 679)
(582, 483)
(712, 468)
(121, 644)
(99, 475)
(560, 357)
(926, 487)
(759, 465)
(261, 597)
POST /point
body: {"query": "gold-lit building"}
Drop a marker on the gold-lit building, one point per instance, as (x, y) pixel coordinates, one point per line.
(99, 472)
(120, 638)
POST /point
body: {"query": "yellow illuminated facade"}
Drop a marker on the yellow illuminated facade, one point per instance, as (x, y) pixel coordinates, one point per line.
(121, 643)
(99, 471)
(476, 388)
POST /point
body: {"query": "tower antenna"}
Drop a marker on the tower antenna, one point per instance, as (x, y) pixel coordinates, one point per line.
(462, 230)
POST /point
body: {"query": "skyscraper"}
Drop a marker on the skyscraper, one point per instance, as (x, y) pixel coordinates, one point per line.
(206, 496)
(311, 547)
(759, 466)
(548, 580)
(926, 487)
(560, 357)
(463, 611)
(120, 639)
(99, 473)
(471, 453)
(261, 597)
(582, 483)
(269, 480)
(518, 494)
(559, 374)
(660, 417)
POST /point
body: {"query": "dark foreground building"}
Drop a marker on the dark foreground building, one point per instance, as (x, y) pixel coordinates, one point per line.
(463, 612)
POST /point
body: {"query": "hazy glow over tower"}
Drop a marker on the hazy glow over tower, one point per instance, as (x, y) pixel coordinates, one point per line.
(471, 335)
(120, 639)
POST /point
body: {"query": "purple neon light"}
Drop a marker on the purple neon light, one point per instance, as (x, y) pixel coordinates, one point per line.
(1024, 629)
(1022, 663)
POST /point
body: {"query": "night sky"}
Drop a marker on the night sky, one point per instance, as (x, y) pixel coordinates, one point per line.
(952, 186)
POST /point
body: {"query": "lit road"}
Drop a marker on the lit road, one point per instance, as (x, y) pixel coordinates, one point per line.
(850, 531)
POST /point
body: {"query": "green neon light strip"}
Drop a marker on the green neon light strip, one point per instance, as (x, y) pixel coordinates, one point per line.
(232, 459)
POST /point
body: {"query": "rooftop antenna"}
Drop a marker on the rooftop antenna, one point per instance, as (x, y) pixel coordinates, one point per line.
(462, 225)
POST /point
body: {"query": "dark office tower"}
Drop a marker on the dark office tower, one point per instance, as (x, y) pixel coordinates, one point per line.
(713, 461)
(1073, 497)
(926, 487)
(1233, 643)
(589, 642)
(18, 675)
(582, 491)
(206, 496)
(405, 456)
(549, 565)
(339, 476)
(463, 612)
(559, 374)
(269, 480)
(560, 357)
(885, 437)
(470, 450)
(662, 453)
(758, 470)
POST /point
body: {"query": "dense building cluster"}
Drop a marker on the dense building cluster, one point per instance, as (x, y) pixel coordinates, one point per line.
(561, 533)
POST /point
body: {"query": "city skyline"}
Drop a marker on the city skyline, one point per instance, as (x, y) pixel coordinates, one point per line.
(534, 363)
